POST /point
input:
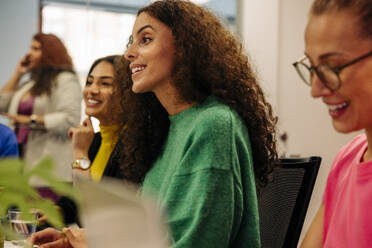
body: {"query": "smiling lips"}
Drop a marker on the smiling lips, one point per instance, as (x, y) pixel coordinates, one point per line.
(137, 68)
(91, 101)
(336, 110)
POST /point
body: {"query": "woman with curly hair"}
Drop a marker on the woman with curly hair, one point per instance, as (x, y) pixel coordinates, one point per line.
(200, 132)
(43, 108)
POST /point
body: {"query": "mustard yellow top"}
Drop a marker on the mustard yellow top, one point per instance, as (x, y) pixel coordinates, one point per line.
(109, 138)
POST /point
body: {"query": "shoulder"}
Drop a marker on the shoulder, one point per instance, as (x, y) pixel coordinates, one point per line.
(67, 76)
(67, 81)
(219, 122)
(351, 150)
(215, 114)
(348, 155)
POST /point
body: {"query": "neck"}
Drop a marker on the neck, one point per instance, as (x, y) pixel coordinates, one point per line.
(170, 99)
(108, 122)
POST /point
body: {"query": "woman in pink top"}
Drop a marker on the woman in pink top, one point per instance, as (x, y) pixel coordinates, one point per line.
(338, 67)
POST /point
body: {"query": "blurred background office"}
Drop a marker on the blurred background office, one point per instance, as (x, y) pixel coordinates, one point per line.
(271, 33)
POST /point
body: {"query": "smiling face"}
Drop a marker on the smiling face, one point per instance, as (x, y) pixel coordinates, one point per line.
(34, 54)
(151, 55)
(98, 93)
(334, 39)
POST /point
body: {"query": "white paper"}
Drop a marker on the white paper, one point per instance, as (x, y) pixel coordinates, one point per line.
(115, 215)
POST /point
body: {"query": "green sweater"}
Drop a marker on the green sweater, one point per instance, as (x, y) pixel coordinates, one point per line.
(204, 179)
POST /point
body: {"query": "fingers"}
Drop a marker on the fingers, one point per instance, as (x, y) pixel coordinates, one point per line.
(45, 236)
(75, 237)
(59, 243)
(70, 132)
(69, 234)
(88, 122)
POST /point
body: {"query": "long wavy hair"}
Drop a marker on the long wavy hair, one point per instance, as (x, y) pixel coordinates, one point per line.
(54, 59)
(361, 8)
(208, 61)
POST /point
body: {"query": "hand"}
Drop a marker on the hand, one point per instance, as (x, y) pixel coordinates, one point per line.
(49, 238)
(23, 65)
(76, 237)
(18, 119)
(81, 138)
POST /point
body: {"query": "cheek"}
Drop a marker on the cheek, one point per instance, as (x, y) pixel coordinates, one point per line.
(167, 63)
(38, 57)
(108, 97)
(85, 94)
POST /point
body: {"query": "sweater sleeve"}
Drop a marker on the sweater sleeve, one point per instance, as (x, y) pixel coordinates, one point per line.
(66, 101)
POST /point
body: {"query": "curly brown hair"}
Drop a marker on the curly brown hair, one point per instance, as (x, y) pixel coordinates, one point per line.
(54, 59)
(208, 61)
(146, 124)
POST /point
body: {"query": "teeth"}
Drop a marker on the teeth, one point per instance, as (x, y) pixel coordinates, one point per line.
(137, 69)
(338, 106)
(93, 101)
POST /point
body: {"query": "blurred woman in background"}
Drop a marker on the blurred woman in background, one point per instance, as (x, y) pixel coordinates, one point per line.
(43, 108)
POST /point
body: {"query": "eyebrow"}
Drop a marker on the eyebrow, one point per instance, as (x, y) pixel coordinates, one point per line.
(144, 27)
(102, 77)
(326, 55)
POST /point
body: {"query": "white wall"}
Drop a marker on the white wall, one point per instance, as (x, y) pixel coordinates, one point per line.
(18, 22)
(273, 36)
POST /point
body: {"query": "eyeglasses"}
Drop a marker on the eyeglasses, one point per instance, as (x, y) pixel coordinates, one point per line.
(328, 75)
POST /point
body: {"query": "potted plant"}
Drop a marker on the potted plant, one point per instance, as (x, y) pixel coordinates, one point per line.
(16, 191)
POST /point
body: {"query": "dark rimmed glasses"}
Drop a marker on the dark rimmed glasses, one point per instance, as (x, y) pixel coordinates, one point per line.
(328, 75)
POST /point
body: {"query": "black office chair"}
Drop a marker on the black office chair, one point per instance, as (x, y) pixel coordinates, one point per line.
(283, 202)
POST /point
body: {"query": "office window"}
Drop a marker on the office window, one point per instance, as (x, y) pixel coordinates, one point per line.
(87, 33)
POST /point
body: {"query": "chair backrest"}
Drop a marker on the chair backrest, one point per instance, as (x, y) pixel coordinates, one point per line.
(283, 202)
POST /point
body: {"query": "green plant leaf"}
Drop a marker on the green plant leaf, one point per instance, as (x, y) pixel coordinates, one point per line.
(51, 211)
(15, 190)
(8, 200)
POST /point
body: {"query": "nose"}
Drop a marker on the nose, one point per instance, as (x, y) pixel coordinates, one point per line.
(318, 89)
(130, 54)
(93, 88)
(29, 53)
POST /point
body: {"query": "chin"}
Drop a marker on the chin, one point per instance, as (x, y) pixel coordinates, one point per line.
(137, 89)
(91, 113)
(342, 128)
